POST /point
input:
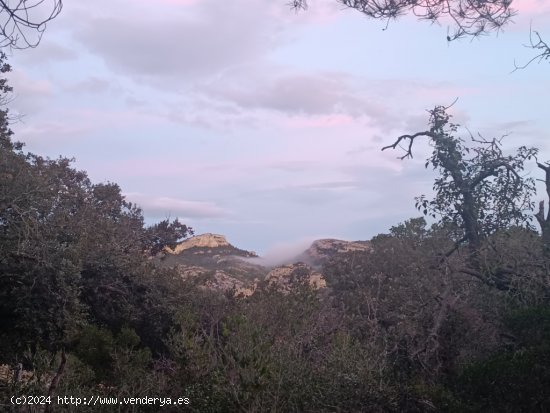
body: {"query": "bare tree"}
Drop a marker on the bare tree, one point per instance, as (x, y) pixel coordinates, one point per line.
(22, 22)
(469, 18)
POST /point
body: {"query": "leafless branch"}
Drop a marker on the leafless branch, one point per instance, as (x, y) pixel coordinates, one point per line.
(411, 138)
(535, 43)
(21, 17)
(438, 117)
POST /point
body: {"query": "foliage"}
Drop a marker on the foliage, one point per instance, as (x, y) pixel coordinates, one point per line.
(479, 189)
(470, 19)
(165, 234)
(515, 379)
(71, 252)
(276, 352)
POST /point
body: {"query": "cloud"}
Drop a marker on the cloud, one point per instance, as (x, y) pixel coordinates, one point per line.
(86, 133)
(292, 165)
(49, 51)
(322, 121)
(159, 207)
(185, 3)
(196, 41)
(531, 7)
(313, 194)
(93, 84)
(50, 132)
(321, 93)
(218, 61)
(517, 133)
(29, 94)
(327, 99)
(285, 252)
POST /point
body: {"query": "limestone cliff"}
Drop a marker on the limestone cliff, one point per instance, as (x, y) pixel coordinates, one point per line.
(201, 241)
(214, 263)
(286, 277)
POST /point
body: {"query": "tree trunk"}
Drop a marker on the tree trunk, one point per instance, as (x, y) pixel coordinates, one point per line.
(471, 227)
(56, 379)
(544, 221)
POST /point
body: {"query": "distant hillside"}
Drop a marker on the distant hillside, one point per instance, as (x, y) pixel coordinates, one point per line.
(212, 257)
(286, 277)
(323, 250)
(220, 265)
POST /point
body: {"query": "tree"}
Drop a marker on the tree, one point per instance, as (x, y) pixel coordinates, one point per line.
(165, 234)
(480, 190)
(18, 19)
(470, 18)
(517, 377)
(39, 248)
(72, 251)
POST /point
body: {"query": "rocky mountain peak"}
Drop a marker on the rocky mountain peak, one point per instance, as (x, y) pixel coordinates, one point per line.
(201, 241)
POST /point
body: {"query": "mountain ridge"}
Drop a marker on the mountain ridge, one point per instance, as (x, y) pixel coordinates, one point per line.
(219, 265)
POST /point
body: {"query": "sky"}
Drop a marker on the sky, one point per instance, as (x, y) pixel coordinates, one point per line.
(248, 119)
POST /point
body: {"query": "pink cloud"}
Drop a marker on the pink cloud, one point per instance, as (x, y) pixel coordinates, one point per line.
(322, 121)
(166, 206)
(164, 168)
(25, 84)
(531, 7)
(179, 2)
(158, 168)
(78, 124)
(185, 3)
(108, 118)
(530, 13)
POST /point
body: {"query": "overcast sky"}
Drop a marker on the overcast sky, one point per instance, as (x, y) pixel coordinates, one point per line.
(247, 119)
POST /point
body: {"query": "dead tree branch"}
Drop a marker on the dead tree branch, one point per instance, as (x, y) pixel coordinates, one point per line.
(20, 18)
(536, 43)
(411, 138)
